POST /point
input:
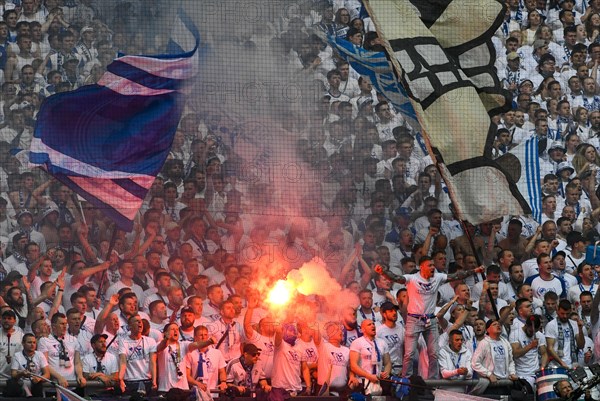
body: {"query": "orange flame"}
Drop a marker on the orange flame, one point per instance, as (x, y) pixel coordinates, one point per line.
(281, 293)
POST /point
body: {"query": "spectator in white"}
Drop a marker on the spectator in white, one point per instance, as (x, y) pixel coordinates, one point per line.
(564, 337)
(585, 311)
(186, 328)
(370, 358)
(127, 273)
(558, 269)
(350, 328)
(493, 358)
(422, 291)
(175, 298)
(101, 365)
(228, 331)
(162, 283)
(516, 279)
(205, 366)
(576, 254)
(334, 360)
(263, 338)
(197, 229)
(158, 315)
(365, 310)
(11, 337)
(214, 298)
(30, 361)
(197, 306)
(62, 352)
(288, 364)
(170, 354)
(76, 330)
(455, 362)
(137, 359)
(529, 349)
(493, 275)
(545, 281)
(392, 334)
(244, 374)
(387, 120)
(587, 278)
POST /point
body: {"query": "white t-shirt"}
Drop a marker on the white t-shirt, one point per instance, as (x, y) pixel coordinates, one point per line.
(137, 354)
(230, 347)
(499, 352)
(52, 348)
(527, 364)
(309, 349)
(552, 331)
(337, 359)
(267, 347)
(35, 364)
(369, 359)
(394, 339)
(166, 360)
(286, 367)
(109, 364)
(213, 361)
(423, 293)
(15, 347)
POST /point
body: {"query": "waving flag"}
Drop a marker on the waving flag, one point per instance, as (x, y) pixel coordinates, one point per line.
(109, 141)
(528, 180)
(442, 55)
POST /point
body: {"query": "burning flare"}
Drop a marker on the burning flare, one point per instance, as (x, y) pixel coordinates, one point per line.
(281, 293)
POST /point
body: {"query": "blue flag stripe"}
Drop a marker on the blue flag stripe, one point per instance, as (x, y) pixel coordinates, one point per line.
(131, 187)
(143, 77)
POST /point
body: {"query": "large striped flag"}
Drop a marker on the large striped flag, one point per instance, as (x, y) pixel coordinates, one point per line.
(442, 54)
(109, 141)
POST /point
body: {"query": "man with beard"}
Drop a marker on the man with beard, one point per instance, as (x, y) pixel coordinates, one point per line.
(186, 328)
(392, 334)
(10, 342)
(101, 365)
(594, 132)
(516, 278)
(158, 314)
(14, 299)
(365, 309)
(585, 313)
(350, 330)
(564, 337)
(370, 358)
(228, 331)
(162, 284)
(19, 241)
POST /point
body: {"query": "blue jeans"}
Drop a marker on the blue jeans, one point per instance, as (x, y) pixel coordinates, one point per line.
(414, 328)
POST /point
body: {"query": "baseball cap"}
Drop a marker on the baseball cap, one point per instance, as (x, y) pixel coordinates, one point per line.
(557, 145)
(251, 349)
(187, 309)
(565, 165)
(512, 56)
(386, 306)
(402, 212)
(97, 337)
(171, 226)
(559, 253)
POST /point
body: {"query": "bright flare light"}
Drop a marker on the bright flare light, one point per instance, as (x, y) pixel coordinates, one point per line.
(281, 293)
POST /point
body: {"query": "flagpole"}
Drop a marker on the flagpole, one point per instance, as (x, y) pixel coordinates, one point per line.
(113, 240)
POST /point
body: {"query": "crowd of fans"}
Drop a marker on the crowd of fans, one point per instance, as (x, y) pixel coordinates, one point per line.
(180, 302)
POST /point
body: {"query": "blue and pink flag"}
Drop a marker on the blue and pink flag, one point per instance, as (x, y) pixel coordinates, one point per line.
(109, 141)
